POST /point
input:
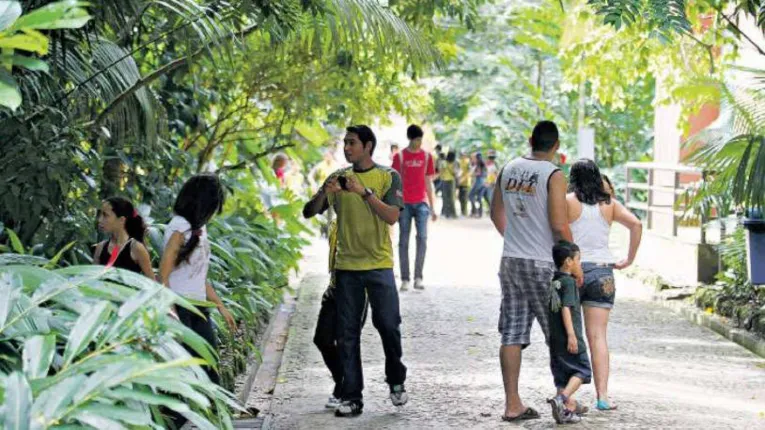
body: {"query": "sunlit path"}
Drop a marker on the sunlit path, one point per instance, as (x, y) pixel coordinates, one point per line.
(666, 372)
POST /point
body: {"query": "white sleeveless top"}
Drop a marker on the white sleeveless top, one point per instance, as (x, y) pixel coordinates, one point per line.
(524, 193)
(188, 279)
(591, 232)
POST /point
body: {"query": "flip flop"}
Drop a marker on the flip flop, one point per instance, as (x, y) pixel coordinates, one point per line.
(605, 406)
(528, 414)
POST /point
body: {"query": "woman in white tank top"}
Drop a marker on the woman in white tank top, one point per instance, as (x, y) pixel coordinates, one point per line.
(591, 211)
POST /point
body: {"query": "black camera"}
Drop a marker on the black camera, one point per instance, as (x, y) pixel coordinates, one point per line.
(343, 181)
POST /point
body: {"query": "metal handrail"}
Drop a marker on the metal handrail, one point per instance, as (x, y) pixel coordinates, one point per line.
(675, 190)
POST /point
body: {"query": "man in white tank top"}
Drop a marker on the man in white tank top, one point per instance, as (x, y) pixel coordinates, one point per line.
(529, 210)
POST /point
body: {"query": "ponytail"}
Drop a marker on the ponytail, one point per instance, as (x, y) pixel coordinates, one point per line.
(200, 198)
(188, 247)
(135, 227)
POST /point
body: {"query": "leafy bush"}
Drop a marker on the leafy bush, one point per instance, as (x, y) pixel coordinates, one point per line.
(733, 296)
(95, 348)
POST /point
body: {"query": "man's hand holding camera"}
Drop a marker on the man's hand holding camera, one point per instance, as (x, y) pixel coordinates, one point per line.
(332, 186)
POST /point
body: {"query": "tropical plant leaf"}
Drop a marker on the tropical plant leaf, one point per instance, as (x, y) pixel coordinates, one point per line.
(38, 355)
(62, 14)
(18, 402)
(10, 11)
(86, 329)
(18, 248)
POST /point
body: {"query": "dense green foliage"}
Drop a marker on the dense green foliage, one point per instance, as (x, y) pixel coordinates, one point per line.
(97, 349)
(530, 61)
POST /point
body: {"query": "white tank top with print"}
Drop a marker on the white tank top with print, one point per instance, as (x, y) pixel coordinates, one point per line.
(524, 193)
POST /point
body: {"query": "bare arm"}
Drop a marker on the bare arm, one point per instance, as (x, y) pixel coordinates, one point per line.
(431, 196)
(213, 297)
(498, 208)
(568, 324)
(141, 256)
(558, 209)
(167, 264)
(386, 212)
(623, 216)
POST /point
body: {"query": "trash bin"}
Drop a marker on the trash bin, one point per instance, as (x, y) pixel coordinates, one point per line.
(755, 246)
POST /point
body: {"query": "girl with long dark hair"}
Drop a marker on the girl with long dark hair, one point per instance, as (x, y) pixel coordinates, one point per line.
(124, 249)
(186, 257)
(591, 211)
(476, 193)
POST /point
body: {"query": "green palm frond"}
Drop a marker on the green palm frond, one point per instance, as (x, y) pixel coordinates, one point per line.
(349, 24)
(665, 17)
(734, 150)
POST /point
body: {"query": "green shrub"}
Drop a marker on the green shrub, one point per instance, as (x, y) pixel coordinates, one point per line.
(89, 347)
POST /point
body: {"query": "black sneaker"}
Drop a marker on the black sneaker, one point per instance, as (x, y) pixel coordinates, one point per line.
(349, 408)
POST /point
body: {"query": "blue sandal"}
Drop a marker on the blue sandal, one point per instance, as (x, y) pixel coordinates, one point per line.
(603, 405)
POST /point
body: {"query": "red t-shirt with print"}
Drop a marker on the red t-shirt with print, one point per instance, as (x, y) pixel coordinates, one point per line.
(417, 166)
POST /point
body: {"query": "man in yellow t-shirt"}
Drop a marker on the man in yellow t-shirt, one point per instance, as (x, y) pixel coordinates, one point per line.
(464, 182)
(367, 199)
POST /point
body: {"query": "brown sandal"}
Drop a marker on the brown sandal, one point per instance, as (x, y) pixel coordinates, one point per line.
(528, 414)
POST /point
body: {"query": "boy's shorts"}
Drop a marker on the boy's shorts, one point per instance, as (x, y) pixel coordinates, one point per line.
(566, 366)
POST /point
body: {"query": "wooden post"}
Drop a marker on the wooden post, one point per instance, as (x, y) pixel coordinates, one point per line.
(649, 212)
(675, 187)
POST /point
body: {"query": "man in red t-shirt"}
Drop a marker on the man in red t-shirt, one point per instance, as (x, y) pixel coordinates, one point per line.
(417, 171)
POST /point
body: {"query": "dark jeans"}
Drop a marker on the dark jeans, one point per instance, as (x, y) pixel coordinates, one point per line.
(325, 338)
(464, 190)
(476, 197)
(420, 212)
(352, 290)
(203, 326)
(447, 194)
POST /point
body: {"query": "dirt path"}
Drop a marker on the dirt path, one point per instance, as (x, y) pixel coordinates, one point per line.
(666, 372)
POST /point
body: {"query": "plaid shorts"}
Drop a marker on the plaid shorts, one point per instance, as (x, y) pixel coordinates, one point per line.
(525, 295)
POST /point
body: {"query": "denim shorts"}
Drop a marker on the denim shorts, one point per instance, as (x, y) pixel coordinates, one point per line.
(599, 288)
(566, 366)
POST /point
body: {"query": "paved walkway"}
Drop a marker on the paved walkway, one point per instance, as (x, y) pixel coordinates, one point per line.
(666, 372)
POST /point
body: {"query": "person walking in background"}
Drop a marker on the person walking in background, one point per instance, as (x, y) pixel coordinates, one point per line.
(394, 150)
(125, 248)
(279, 166)
(491, 178)
(186, 256)
(417, 171)
(368, 200)
(529, 210)
(317, 177)
(439, 164)
(476, 192)
(569, 363)
(464, 181)
(591, 211)
(448, 183)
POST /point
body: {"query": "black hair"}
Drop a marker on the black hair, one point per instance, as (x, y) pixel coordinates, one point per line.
(544, 137)
(587, 183)
(414, 131)
(562, 251)
(394, 145)
(607, 180)
(134, 224)
(479, 160)
(451, 156)
(200, 198)
(366, 135)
